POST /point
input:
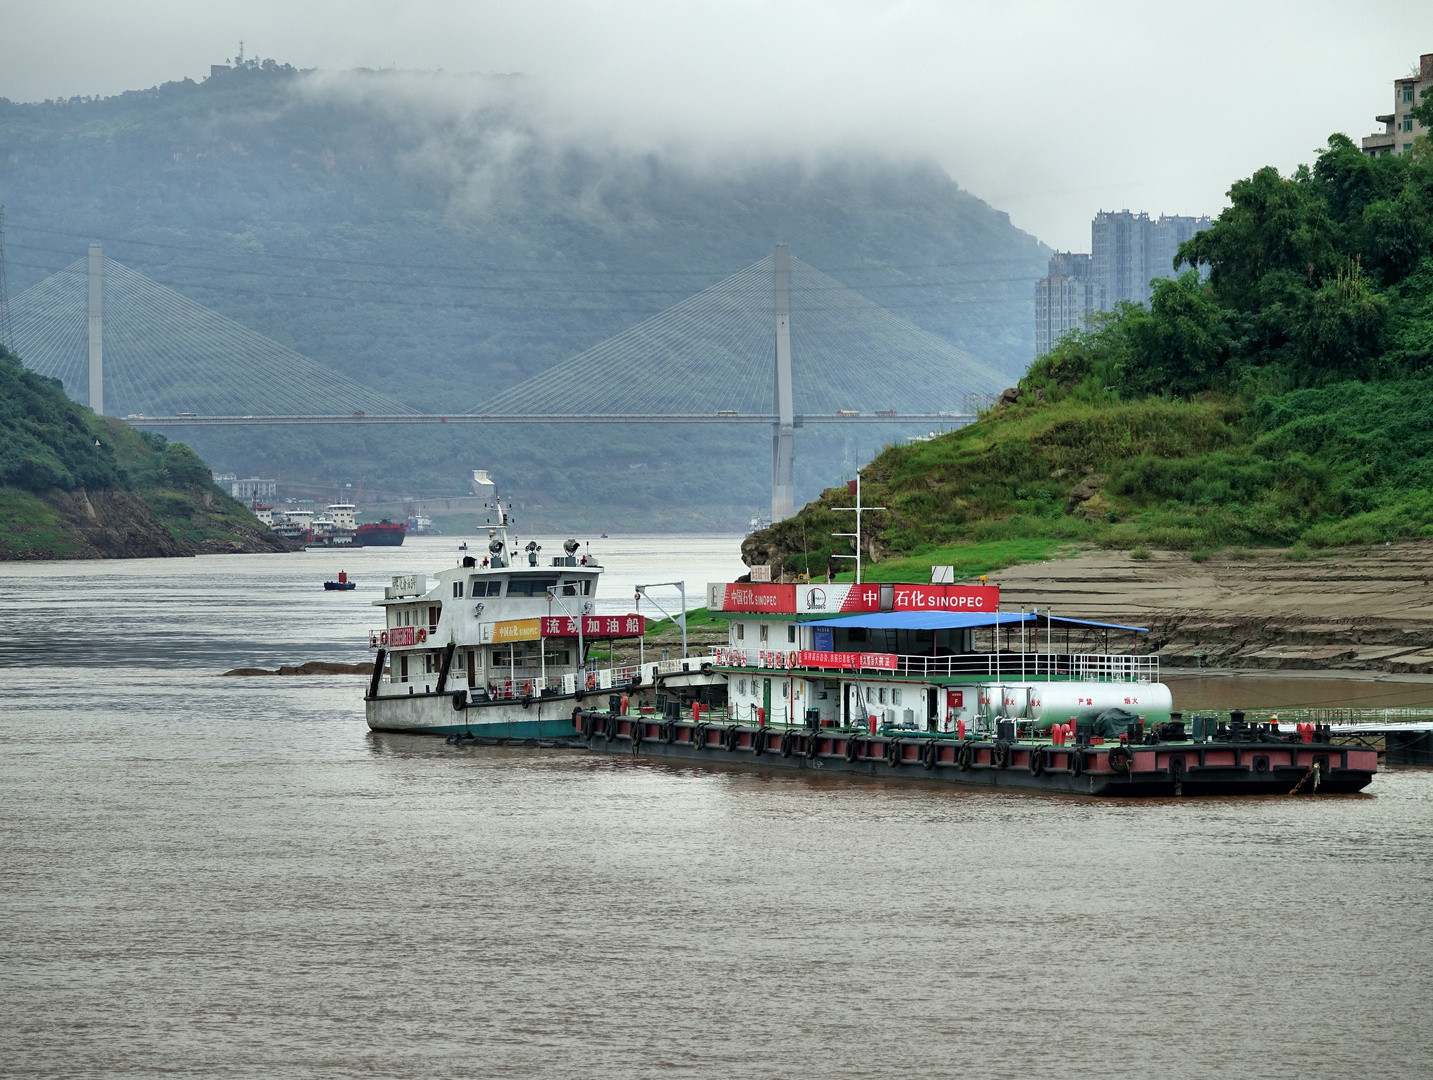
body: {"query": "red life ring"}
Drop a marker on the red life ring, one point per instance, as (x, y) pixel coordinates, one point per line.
(422, 633)
(591, 680)
(383, 638)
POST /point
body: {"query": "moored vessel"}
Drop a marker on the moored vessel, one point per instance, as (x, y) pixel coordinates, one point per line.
(930, 682)
(493, 648)
(383, 533)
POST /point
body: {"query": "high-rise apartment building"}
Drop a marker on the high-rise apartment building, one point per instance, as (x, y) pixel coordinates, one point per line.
(1126, 251)
(1064, 299)
(1400, 126)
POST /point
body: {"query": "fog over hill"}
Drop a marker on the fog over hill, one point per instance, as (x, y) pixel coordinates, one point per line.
(445, 237)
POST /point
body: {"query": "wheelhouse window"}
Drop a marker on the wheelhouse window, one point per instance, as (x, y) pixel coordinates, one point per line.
(525, 586)
(457, 590)
(434, 611)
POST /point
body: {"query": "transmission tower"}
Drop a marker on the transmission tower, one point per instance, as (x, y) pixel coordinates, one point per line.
(7, 339)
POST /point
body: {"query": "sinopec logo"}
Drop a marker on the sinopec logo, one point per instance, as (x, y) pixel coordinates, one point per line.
(816, 600)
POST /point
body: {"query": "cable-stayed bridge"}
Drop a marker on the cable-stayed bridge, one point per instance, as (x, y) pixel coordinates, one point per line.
(778, 343)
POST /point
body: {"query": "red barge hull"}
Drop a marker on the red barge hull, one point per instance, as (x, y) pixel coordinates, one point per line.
(381, 534)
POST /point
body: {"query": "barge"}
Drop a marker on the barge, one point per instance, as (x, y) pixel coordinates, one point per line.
(930, 682)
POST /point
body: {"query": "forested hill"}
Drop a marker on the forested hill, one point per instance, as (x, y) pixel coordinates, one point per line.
(1286, 399)
(77, 486)
(434, 236)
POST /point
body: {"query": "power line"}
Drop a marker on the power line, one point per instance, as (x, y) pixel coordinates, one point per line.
(448, 268)
(452, 305)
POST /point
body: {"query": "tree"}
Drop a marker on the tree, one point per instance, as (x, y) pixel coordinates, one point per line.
(1181, 344)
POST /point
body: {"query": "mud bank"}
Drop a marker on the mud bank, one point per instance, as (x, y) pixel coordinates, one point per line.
(1369, 609)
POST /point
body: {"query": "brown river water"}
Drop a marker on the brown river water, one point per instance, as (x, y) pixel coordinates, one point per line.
(229, 877)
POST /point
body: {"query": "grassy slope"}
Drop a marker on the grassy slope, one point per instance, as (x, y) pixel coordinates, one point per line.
(50, 445)
(1350, 463)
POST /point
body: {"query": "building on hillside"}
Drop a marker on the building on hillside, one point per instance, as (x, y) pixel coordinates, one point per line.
(1127, 250)
(253, 488)
(1400, 127)
(1064, 299)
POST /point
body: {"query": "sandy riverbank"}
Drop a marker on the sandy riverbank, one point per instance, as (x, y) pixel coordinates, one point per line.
(1368, 609)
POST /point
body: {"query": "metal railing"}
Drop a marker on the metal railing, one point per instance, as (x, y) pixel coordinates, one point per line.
(1091, 667)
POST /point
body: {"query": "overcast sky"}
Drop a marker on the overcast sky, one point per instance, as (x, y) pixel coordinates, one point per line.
(1049, 110)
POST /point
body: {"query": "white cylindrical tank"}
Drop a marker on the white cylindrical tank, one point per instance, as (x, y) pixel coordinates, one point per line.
(1058, 701)
(1015, 701)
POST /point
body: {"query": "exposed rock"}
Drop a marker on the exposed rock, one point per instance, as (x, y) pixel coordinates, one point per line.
(1085, 490)
(1009, 396)
(312, 667)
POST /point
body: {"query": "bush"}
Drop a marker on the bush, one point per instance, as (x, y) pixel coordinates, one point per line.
(1140, 553)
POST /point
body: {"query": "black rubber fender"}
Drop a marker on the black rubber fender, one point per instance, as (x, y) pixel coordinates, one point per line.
(895, 751)
(1120, 758)
(1000, 753)
(853, 748)
(1261, 763)
(929, 753)
(699, 737)
(759, 738)
(460, 700)
(731, 738)
(788, 743)
(1037, 761)
(1077, 762)
(669, 732)
(813, 744)
(527, 701)
(964, 754)
(609, 727)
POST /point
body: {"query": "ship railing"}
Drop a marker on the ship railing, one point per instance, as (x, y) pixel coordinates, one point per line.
(1002, 667)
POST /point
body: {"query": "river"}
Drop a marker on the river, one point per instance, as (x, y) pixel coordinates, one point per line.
(232, 877)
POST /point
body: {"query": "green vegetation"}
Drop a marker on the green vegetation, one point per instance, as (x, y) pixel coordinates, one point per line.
(50, 447)
(362, 219)
(695, 617)
(1284, 398)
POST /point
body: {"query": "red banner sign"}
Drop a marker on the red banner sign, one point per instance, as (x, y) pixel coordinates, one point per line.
(767, 599)
(400, 636)
(595, 626)
(851, 599)
(880, 661)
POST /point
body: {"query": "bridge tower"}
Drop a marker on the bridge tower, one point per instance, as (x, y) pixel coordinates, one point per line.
(97, 329)
(6, 337)
(783, 432)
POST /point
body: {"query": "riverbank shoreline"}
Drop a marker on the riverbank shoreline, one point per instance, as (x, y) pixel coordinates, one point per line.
(1340, 611)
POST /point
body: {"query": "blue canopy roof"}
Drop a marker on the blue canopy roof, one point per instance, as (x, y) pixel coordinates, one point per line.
(958, 620)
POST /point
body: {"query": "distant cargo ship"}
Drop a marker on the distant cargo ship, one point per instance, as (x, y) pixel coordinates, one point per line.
(383, 533)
